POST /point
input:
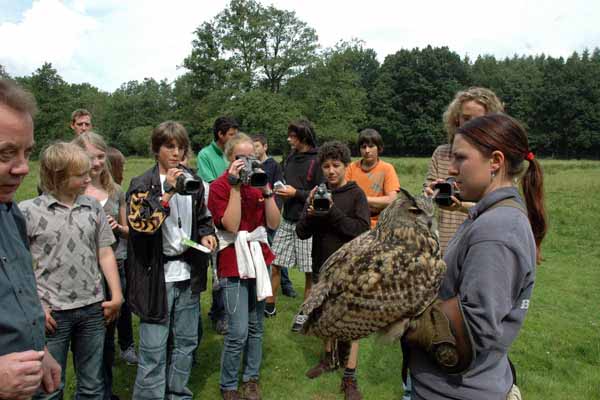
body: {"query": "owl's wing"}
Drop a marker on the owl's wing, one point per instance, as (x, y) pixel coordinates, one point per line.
(343, 256)
(376, 284)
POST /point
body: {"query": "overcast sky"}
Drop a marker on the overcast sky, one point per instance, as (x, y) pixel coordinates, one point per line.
(109, 42)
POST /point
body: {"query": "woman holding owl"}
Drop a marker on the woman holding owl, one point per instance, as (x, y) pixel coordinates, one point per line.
(458, 347)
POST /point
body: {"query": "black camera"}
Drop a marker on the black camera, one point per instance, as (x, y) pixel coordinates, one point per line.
(445, 192)
(252, 173)
(186, 184)
(321, 199)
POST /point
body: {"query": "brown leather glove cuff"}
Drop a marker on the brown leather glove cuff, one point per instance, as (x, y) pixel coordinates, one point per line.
(440, 331)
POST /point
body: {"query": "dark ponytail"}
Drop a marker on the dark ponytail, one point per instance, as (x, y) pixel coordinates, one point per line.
(532, 185)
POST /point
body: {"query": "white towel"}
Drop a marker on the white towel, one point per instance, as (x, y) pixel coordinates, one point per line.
(249, 256)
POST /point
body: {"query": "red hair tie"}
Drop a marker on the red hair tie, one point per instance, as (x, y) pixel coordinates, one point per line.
(529, 156)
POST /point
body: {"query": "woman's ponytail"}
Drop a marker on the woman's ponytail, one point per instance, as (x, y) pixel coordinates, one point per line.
(533, 190)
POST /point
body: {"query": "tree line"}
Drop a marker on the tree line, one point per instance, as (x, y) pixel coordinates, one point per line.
(265, 67)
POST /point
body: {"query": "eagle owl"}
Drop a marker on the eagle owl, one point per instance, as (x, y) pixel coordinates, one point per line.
(381, 279)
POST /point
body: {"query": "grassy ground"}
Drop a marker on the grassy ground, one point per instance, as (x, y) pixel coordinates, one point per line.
(557, 354)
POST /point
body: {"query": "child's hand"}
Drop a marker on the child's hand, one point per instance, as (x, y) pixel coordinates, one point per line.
(286, 192)
(50, 322)
(113, 224)
(111, 309)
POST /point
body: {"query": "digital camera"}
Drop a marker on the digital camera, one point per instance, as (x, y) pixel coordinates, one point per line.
(252, 173)
(445, 192)
(322, 198)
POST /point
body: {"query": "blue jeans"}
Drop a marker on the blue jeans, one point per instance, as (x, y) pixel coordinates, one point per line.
(82, 328)
(245, 316)
(123, 324)
(165, 351)
(407, 388)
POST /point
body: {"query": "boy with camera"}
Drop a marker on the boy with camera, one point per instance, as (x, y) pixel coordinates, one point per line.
(243, 206)
(334, 215)
(166, 212)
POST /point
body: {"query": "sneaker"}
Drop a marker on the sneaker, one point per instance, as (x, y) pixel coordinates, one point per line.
(289, 291)
(318, 370)
(299, 321)
(270, 310)
(251, 390)
(221, 326)
(350, 389)
(129, 355)
(230, 395)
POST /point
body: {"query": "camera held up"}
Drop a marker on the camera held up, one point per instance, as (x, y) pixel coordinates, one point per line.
(186, 184)
(252, 173)
(445, 192)
(321, 199)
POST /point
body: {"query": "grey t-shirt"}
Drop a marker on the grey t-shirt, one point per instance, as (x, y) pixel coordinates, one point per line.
(491, 267)
(64, 244)
(111, 207)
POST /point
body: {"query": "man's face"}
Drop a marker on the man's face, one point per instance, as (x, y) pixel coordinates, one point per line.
(224, 138)
(81, 124)
(16, 143)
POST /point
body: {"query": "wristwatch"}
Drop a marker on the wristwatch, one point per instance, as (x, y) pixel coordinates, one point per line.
(268, 194)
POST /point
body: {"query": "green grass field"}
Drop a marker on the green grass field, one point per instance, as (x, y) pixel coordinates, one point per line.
(557, 354)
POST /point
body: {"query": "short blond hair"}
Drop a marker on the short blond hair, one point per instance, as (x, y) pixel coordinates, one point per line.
(239, 137)
(483, 96)
(59, 162)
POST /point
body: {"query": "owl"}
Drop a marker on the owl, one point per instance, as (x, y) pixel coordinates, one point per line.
(381, 279)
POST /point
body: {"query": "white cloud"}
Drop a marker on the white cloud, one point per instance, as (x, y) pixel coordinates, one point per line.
(49, 31)
(109, 42)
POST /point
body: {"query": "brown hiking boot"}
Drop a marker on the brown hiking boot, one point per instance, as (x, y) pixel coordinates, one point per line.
(350, 389)
(323, 366)
(251, 390)
(230, 395)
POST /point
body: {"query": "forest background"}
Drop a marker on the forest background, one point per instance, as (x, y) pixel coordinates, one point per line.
(264, 66)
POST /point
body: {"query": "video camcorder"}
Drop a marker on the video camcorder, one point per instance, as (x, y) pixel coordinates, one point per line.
(252, 173)
(322, 198)
(445, 192)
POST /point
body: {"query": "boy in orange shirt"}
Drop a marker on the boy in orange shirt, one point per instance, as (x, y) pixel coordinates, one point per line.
(377, 178)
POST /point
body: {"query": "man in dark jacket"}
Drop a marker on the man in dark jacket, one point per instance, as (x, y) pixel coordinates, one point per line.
(301, 173)
(165, 275)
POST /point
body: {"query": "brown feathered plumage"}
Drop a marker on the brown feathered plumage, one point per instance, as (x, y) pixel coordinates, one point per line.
(382, 278)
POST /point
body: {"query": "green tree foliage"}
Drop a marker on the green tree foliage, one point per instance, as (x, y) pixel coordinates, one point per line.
(248, 45)
(52, 95)
(333, 91)
(411, 92)
(137, 104)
